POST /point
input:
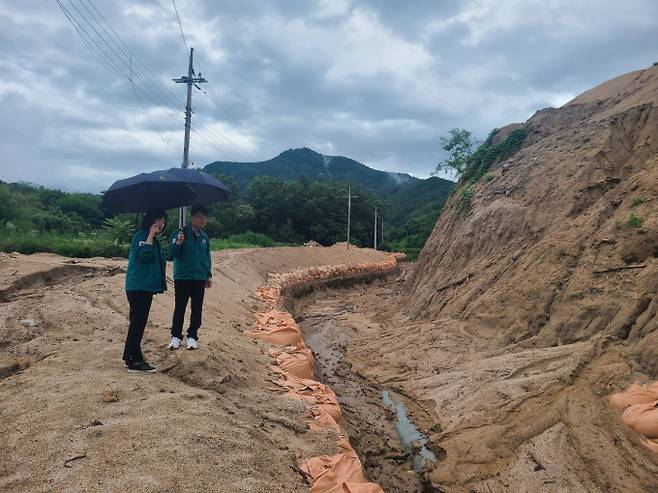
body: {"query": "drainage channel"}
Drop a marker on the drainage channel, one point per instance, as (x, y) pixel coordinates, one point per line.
(392, 450)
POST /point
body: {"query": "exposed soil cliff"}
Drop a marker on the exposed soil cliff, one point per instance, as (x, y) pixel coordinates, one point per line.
(534, 299)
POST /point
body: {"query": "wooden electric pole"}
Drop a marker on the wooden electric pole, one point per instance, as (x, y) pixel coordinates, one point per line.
(190, 80)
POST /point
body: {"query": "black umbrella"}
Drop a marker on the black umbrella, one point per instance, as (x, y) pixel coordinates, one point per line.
(164, 189)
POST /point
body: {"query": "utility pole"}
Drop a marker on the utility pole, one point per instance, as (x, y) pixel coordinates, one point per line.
(349, 212)
(375, 235)
(190, 80)
(382, 242)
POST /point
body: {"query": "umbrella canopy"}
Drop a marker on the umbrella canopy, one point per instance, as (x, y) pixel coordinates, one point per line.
(164, 189)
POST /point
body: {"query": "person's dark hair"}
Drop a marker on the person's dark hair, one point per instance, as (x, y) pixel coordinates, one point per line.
(199, 208)
(151, 216)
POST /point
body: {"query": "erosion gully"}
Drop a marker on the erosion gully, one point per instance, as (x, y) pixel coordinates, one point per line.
(378, 419)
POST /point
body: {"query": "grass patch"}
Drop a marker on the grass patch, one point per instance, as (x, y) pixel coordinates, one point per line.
(243, 240)
(103, 245)
(82, 245)
(637, 201)
(633, 221)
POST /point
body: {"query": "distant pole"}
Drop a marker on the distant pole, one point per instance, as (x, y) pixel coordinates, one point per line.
(375, 235)
(349, 213)
(190, 80)
(382, 242)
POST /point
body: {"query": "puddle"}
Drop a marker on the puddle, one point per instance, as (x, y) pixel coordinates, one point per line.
(389, 445)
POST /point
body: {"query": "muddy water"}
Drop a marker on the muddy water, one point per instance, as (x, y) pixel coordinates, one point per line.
(329, 320)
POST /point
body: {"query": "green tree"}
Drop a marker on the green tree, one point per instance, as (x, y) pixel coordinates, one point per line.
(120, 231)
(460, 146)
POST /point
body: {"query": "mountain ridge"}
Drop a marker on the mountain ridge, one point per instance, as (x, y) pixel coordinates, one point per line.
(403, 193)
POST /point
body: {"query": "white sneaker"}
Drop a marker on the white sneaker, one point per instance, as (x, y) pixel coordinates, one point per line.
(191, 343)
(175, 343)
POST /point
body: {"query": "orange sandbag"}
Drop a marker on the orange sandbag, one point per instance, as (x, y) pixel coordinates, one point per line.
(651, 445)
(631, 414)
(269, 294)
(313, 392)
(327, 472)
(276, 327)
(356, 488)
(344, 445)
(299, 361)
(643, 418)
(319, 419)
(635, 394)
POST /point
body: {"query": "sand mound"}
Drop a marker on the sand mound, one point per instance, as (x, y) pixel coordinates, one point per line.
(526, 311)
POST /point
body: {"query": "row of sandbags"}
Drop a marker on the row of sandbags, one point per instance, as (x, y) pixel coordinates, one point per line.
(640, 411)
(278, 283)
(293, 361)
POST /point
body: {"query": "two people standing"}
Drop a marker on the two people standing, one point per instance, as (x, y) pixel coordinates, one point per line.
(190, 249)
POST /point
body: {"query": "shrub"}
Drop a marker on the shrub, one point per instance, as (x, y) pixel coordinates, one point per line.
(118, 230)
(634, 221)
(464, 201)
(487, 153)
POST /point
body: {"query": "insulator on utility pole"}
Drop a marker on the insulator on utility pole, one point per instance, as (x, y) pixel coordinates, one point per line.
(190, 80)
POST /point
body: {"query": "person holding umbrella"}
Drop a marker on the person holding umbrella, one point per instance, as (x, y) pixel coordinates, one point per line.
(190, 249)
(167, 189)
(144, 278)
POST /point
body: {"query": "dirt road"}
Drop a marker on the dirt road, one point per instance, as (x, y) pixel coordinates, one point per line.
(73, 420)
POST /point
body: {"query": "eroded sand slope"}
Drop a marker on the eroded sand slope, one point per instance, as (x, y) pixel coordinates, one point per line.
(72, 419)
(525, 312)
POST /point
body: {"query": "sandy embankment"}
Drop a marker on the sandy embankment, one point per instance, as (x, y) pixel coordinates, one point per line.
(207, 422)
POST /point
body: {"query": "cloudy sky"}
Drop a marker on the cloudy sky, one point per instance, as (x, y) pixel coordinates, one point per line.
(89, 100)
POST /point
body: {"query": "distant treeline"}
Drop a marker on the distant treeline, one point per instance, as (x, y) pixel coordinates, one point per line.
(270, 211)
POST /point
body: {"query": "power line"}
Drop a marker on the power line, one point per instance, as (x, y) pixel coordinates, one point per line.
(108, 47)
(113, 46)
(210, 140)
(231, 87)
(179, 25)
(145, 112)
(235, 119)
(130, 52)
(221, 137)
(89, 41)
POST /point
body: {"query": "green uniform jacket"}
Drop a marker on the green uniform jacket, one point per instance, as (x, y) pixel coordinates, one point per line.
(192, 258)
(146, 265)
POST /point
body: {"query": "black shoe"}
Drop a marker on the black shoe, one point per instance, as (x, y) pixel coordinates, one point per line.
(140, 367)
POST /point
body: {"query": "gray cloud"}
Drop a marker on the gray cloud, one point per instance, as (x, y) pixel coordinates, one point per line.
(367, 79)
